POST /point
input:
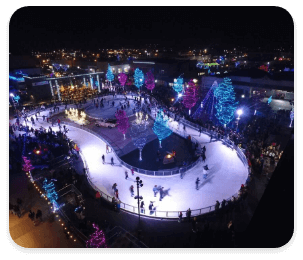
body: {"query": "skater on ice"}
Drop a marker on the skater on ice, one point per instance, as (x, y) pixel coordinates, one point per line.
(197, 183)
(205, 173)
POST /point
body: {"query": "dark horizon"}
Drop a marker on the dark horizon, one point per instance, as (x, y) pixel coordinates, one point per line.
(51, 28)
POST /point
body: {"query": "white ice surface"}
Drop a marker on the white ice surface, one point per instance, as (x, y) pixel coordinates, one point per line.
(226, 174)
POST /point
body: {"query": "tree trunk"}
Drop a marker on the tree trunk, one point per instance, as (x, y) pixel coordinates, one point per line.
(160, 144)
(140, 159)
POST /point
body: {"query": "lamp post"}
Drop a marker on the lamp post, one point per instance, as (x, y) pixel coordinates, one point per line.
(239, 112)
(138, 197)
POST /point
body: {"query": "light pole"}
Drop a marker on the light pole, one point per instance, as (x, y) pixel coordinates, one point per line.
(138, 197)
(239, 112)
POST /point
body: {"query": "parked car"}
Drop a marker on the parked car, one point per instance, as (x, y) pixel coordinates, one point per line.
(110, 123)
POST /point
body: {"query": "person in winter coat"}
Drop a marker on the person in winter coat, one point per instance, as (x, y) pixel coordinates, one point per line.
(112, 161)
(126, 175)
(155, 190)
(114, 187)
(103, 158)
(142, 206)
(188, 214)
(197, 183)
(180, 217)
(161, 193)
(132, 190)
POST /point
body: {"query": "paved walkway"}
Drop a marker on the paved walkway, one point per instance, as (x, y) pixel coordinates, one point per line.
(47, 234)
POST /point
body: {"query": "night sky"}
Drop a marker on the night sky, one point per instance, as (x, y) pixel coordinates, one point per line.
(49, 28)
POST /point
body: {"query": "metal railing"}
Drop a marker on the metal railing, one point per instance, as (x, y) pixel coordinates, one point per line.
(157, 213)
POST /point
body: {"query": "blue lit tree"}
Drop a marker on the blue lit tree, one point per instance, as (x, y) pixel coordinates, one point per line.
(49, 188)
(139, 78)
(161, 128)
(178, 85)
(226, 102)
(109, 75)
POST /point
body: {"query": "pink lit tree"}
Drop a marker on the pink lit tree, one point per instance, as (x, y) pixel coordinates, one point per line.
(190, 96)
(27, 167)
(122, 121)
(122, 79)
(97, 239)
(150, 81)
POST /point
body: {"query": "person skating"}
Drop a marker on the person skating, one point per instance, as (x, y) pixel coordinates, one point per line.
(142, 206)
(126, 175)
(161, 193)
(150, 207)
(112, 161)
(155, 190)
(133, 171)
(103, 159)
(197, 183)
(203, 156)
(114, 187)
(200, 131)
(132, 190)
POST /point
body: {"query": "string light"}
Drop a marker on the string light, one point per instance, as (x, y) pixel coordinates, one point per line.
(97, 239)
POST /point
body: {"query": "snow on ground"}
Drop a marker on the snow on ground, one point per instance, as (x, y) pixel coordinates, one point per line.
(225, 176)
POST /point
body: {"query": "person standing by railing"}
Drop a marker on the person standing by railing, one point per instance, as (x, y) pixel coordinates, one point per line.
(180, 217)
(188, 214)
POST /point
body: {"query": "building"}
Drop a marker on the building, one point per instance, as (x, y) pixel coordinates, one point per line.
(248, 84)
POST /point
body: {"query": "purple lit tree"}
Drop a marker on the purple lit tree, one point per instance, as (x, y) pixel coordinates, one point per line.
(122, 119)
(150, 81)
(27, 167)
(190, 96)
(122, 79)
(97, 239)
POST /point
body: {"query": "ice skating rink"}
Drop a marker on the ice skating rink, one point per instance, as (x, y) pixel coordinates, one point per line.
(225, 176)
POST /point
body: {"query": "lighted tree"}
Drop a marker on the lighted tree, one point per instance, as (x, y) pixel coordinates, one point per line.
(178, 84)
(161, 128)
(139, 133)
(109, 75)
(97, 239)
(139, 78)
(122, 79)
(122, 121)
(50, 191)
(27, 167)
(150, 81)
(190, 96)
(226, 102)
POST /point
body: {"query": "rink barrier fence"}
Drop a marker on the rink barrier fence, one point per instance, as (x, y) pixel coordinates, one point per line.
(134, 209)
(155, 213)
